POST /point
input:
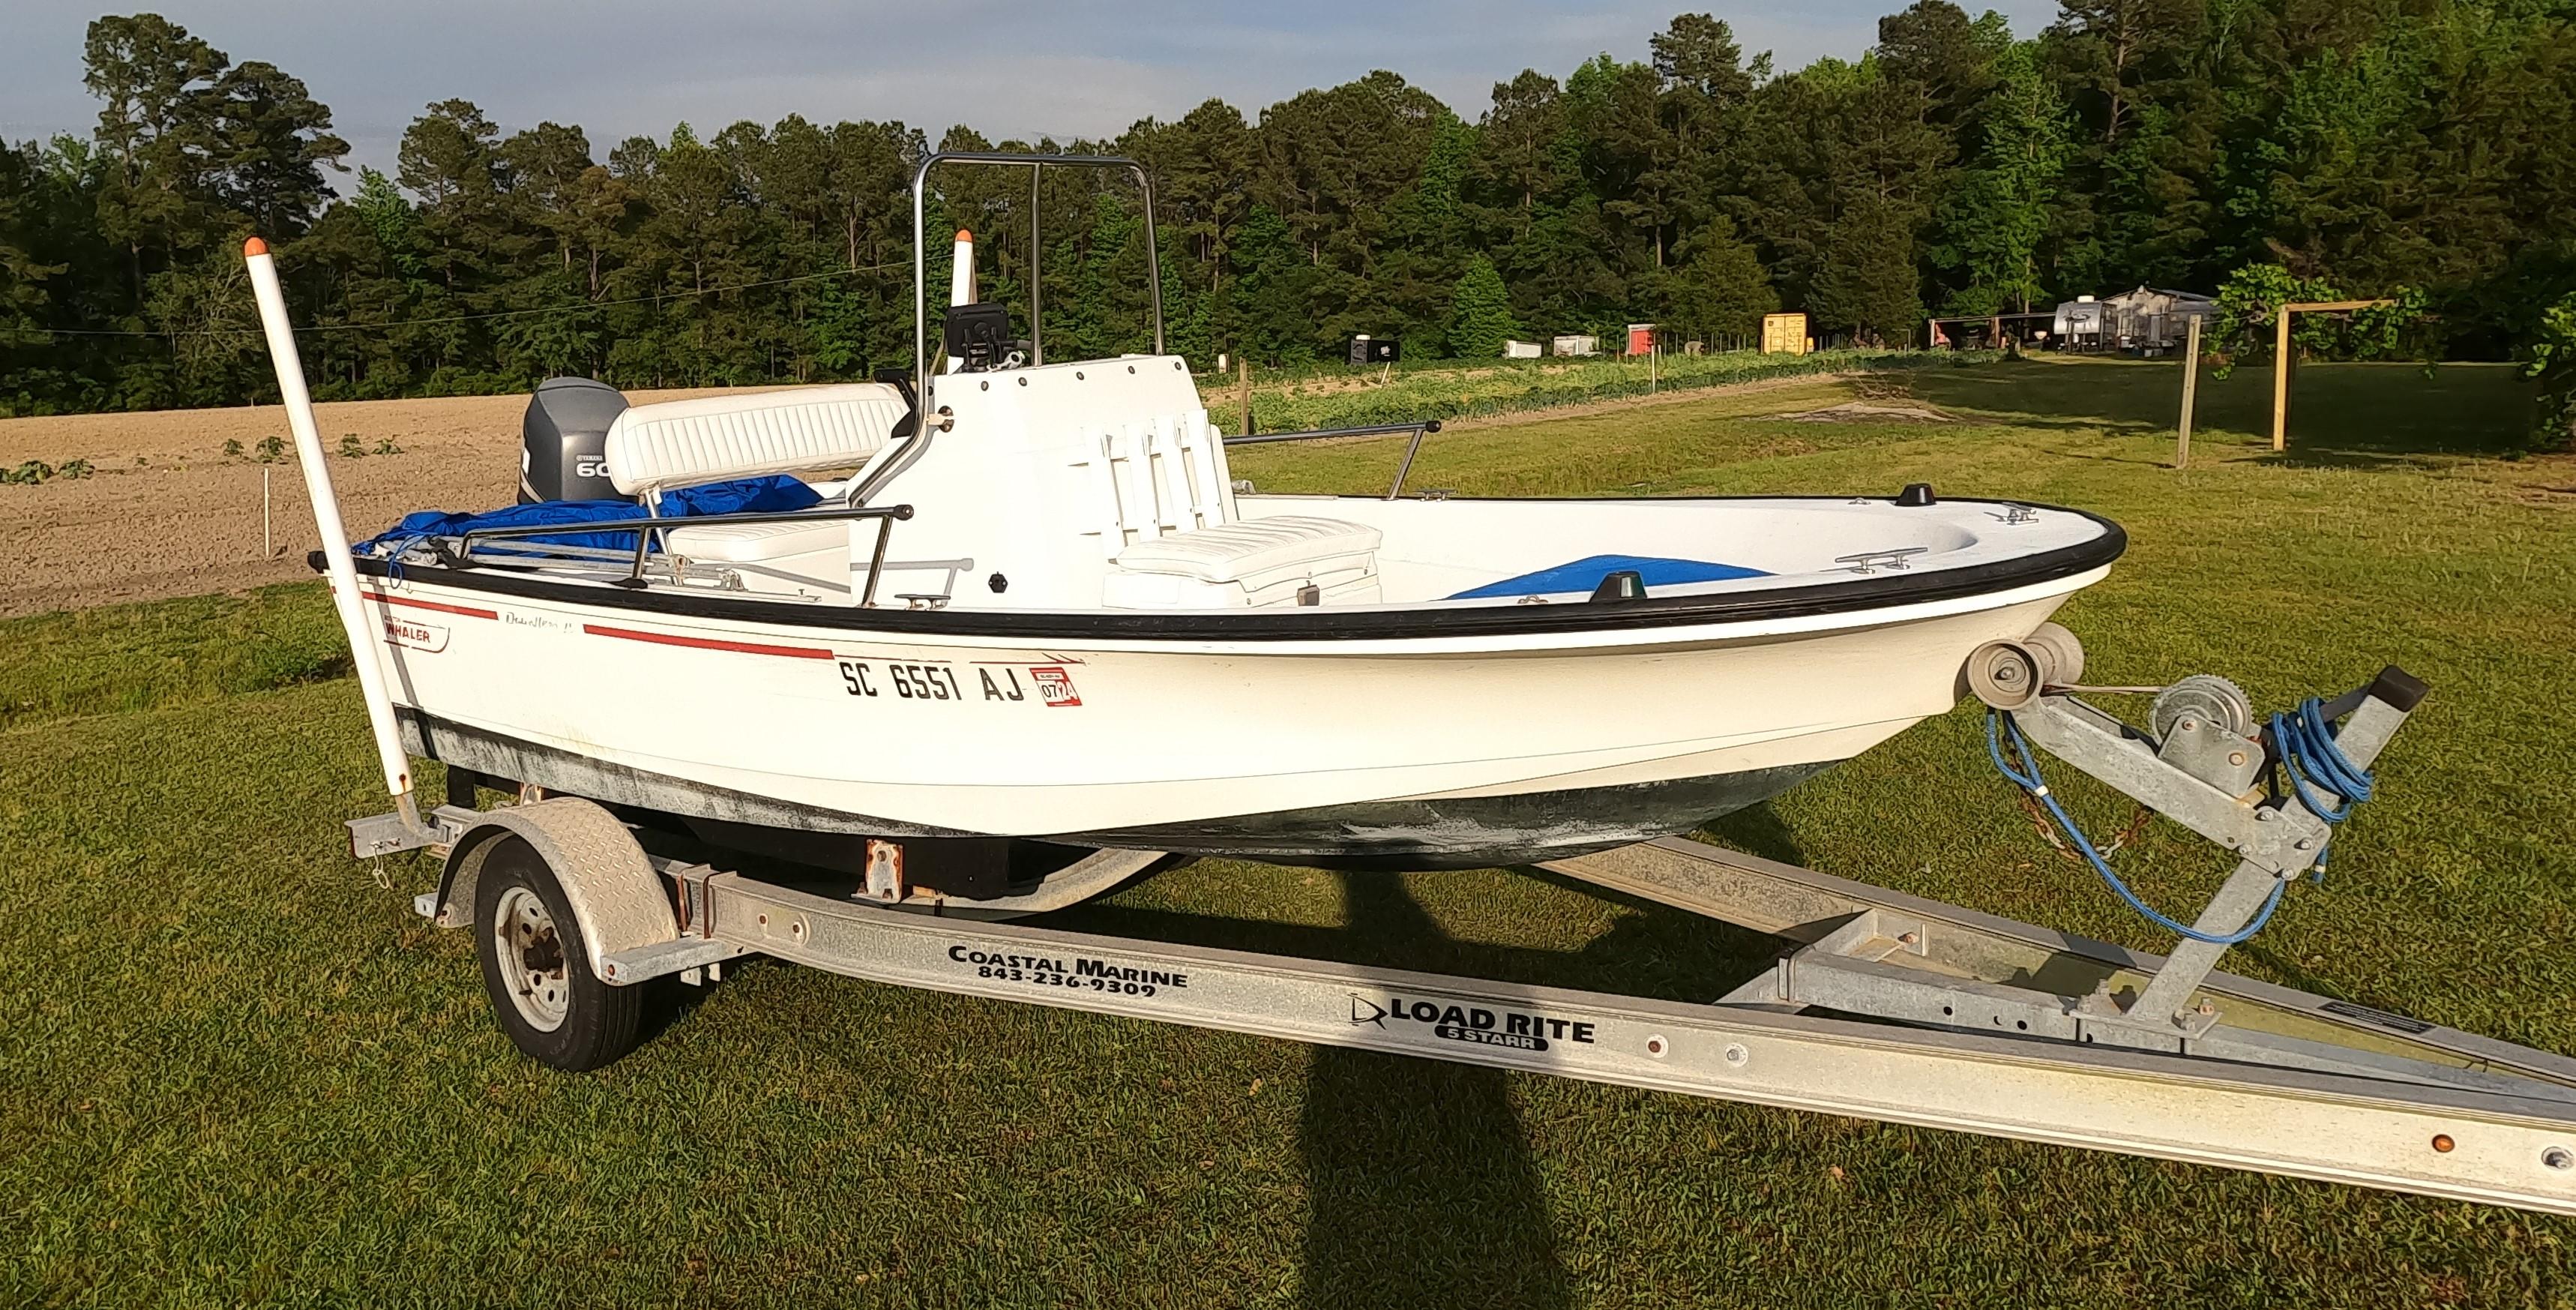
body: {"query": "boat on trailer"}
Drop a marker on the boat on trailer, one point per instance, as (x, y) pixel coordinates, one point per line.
(1032, 602)
(997, 636)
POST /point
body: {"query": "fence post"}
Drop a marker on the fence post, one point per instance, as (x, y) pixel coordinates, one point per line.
(2281, 383)
(2190, 389)
(1243, 370)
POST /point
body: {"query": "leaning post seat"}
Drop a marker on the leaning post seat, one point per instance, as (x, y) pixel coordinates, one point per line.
(684, 443)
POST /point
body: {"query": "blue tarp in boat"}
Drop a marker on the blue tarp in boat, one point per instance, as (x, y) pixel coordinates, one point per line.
(1587, 573)
(770, 495)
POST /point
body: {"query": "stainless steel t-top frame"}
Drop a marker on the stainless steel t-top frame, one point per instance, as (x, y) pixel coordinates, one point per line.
(1037, 166)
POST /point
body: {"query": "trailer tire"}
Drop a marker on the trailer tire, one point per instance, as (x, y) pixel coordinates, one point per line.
(535, 972)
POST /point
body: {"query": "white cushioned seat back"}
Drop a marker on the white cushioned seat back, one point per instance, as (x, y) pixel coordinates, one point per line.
(685, 443)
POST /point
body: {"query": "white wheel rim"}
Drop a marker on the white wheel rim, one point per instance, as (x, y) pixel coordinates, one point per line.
(531, 957)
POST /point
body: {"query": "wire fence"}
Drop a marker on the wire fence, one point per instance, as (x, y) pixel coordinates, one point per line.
(1504, 389)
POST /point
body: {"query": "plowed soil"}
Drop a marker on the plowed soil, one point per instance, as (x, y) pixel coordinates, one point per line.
(167, 513)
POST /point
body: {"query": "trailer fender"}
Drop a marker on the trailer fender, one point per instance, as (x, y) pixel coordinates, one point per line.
(618, 900)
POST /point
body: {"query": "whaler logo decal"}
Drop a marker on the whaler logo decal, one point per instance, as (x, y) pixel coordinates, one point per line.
(414, 634)
(1513, 1029)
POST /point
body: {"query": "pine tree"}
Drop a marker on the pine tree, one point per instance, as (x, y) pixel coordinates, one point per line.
(1480, 312)
(1998, 217)
(2373, 147)
(1867, 285)
(1722, 290)
(22, 276)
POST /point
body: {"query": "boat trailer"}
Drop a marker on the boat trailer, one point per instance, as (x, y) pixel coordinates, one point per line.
(1885, 1006)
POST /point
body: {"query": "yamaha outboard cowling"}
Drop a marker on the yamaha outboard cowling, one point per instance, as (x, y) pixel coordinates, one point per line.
(565, 441)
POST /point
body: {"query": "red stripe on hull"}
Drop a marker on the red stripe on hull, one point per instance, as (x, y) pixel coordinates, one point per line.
(442, 607)
(709, 643)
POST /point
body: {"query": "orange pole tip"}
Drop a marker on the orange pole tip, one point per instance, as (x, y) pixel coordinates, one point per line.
(254, 246)
(964, 235)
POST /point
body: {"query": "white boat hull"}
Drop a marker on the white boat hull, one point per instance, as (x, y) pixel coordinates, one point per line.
(1424, 751)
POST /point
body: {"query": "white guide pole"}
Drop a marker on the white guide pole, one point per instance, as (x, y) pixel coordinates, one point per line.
(961, 281)
(363, 639)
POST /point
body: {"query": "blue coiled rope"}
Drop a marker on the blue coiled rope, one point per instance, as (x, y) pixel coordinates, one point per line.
(2000, 724)
(2307, 745)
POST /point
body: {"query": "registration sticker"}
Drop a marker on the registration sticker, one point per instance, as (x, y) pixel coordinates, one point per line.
(1055, 686)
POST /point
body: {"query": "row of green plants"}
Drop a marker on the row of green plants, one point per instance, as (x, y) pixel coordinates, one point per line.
(1506, 387)
(36, 470)
(270, 449)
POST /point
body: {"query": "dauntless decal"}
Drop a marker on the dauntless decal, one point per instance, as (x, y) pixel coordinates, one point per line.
(1518, 1030)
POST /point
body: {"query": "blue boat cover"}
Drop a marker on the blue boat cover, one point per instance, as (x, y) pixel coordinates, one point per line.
(1587, 573)
(775, 494)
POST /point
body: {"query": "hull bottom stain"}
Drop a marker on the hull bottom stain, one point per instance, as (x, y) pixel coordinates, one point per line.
(1465, 832)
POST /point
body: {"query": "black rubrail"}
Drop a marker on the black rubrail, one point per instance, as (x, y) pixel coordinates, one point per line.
(1291, 623)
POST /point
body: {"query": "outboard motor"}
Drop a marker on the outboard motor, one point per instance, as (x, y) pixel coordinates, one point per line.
(564, 441)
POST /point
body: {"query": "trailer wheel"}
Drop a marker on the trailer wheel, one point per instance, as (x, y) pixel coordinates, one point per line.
(534, 969)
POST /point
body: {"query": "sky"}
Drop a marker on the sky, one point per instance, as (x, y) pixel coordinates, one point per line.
(1010, 70)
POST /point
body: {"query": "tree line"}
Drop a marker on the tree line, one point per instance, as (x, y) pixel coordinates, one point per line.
(2414, 148)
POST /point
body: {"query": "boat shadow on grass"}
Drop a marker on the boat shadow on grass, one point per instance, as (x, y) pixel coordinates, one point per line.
(1422, 1187)
(1419, 1181)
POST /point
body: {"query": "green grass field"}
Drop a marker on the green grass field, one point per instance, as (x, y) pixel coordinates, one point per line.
(1339, 396)
(234, 1069)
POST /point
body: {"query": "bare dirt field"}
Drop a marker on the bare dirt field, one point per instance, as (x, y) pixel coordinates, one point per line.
(167, 513)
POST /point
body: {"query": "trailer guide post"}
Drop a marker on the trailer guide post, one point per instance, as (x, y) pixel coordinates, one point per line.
(345, 596)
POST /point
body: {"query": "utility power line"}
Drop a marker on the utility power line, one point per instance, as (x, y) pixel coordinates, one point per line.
(473, 318)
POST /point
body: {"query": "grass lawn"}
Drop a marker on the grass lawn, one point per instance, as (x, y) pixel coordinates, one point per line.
(1339, 396)
(235, 1069)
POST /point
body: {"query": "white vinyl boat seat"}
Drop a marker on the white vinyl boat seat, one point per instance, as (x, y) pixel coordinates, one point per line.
(716, 541)
(1251, 562)
(794, 559)
(687, 443)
